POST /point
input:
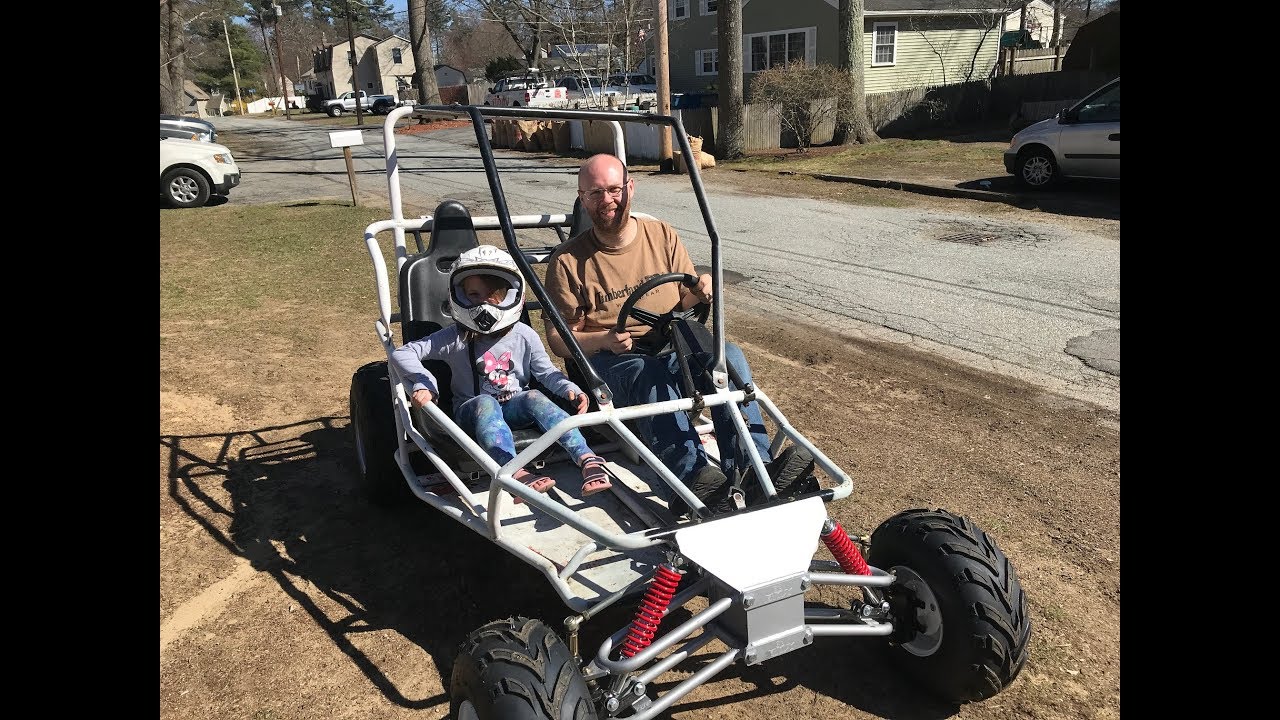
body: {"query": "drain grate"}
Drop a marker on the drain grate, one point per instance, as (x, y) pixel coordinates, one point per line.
(969, 238)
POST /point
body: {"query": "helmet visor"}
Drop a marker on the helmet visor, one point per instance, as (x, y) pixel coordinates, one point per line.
(510, 298)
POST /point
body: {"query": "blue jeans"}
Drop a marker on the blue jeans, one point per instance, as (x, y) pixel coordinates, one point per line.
(639, 379)
(491, 422)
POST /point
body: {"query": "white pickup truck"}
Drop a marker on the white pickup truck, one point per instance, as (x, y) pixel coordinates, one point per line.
(526, 89)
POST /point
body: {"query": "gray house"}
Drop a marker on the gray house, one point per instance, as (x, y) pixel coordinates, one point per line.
(906, 43)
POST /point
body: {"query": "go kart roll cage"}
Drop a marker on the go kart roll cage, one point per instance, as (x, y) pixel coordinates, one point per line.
(487, 518)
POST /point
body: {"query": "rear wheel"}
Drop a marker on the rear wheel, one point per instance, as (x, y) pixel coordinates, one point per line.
(517, 669)
(1037, 169)
(960, 616)
(373, 426)
(335, 110)
(184, 188)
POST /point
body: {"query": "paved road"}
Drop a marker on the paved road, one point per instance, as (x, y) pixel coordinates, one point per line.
(1029, 298)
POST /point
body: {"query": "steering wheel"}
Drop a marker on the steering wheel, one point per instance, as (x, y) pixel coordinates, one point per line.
(660, 321)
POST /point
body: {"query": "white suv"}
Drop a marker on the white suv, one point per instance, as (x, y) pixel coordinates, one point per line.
(1082, 141)
(191, 171)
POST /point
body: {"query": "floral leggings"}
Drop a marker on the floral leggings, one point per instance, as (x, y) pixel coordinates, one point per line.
(491, 422)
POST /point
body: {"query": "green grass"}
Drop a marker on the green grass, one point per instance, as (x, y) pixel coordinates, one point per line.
(218, 262)
(891, 158)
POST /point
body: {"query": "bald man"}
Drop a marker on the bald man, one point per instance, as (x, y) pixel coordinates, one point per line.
(590, 277)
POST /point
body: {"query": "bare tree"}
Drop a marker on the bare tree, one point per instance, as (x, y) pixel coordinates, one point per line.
(1056, 38)
(172, 57)
(424, 60)
(526, 21)
(988, 21)
(730, 143)
(470, 44)
(853, 125)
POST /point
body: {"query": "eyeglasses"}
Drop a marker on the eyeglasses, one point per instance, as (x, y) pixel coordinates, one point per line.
(598, 194)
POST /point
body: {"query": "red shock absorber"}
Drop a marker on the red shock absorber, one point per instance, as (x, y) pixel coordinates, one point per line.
(847, 554)
(652, 606)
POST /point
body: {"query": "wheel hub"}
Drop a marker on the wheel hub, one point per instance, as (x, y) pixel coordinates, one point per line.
(916, 613)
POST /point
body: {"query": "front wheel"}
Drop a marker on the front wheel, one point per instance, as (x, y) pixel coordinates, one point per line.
(517, 669)
(960, 616)
(185, 188)
(1037, 169)
(335, 110)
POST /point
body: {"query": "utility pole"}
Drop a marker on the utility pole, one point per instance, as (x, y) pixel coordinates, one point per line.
(355, 83)
(664, 87)
(234, 75)
(284, 92)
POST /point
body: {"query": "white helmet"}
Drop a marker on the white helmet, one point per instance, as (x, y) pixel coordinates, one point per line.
(485, 317)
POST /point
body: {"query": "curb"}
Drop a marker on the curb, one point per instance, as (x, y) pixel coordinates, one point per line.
(984, 195)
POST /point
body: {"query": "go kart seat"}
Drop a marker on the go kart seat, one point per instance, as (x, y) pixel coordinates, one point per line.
(580, 222)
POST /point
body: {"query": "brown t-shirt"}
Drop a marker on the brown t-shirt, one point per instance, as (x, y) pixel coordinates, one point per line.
(584, 276)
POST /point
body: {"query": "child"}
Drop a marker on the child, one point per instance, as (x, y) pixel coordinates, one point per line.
(493, 357)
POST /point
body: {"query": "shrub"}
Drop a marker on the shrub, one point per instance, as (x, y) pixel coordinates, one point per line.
(792, 89)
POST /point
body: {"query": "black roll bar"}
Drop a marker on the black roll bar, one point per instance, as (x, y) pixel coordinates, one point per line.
(477, 114)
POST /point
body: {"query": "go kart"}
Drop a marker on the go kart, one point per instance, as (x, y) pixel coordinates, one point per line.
(931, 586)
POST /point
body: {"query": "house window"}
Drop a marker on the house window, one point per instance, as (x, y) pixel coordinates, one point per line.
(679, 9)
(351, 58)
(395, 56)
(778, 49)
(886, 44)
(708, 7)
(708, 62)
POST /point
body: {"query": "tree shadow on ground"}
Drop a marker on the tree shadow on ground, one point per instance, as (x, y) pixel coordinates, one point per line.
(295, 514)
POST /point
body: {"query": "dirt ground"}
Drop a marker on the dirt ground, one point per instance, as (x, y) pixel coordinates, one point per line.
(284, 595)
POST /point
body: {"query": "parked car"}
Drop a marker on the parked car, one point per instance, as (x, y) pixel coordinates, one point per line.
(191, 171)
(175, 126)
(384, 104)
(638, 82)
(1082, 141)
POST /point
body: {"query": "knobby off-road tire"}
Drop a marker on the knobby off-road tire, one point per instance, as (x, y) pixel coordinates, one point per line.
(517, 669)
(373, 426)
(961, 623)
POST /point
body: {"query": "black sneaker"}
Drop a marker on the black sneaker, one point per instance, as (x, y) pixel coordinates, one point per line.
(709, 484)
(791, 471)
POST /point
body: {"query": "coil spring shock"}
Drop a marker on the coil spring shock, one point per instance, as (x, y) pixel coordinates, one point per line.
(847, 554)
(652, 606)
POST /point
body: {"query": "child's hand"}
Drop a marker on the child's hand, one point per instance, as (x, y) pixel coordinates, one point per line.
(422, 397)
(581, 399)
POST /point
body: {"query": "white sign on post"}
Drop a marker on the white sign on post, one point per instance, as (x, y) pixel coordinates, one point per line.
(345, 139)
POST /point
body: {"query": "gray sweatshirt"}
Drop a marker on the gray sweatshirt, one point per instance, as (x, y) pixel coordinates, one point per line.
(503, 365)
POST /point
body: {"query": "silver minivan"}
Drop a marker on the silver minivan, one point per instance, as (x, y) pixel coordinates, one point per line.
(1082, 141)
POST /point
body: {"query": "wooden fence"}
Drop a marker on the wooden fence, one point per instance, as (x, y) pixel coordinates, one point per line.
(1031, 61)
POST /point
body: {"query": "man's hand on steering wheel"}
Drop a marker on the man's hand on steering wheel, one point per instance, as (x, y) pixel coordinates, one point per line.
(698, 287)
(618, 341)
(701, 291)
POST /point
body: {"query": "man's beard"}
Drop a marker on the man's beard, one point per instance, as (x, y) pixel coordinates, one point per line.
(617, 222)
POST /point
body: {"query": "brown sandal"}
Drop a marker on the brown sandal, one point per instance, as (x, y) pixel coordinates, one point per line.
(595, 476)
(539, 483)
